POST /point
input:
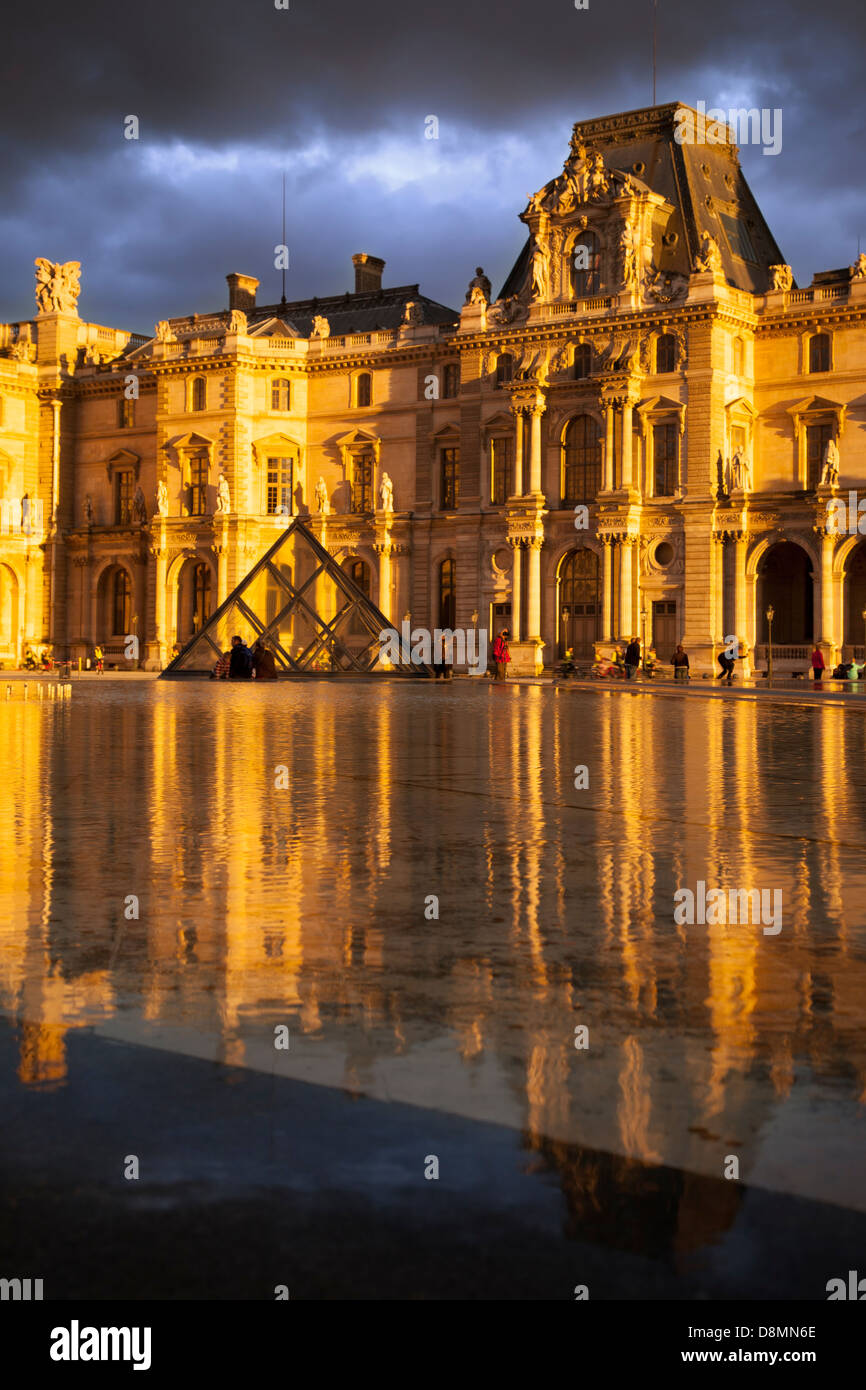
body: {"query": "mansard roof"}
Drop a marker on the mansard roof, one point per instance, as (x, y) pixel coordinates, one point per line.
(362, 312)
(702, 182)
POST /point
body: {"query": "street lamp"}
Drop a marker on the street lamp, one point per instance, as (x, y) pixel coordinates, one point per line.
(770, 616)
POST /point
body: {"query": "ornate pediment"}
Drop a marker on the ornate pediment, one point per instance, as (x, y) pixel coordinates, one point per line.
(586, 180)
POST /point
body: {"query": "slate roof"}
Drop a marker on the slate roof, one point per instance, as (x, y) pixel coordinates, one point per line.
(364, 312)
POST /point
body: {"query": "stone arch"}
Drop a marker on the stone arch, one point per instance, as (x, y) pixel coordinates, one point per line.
(785, 574)
(194, 590)
(579, 599)
(11, 612)
(112, 608)
(854, 591)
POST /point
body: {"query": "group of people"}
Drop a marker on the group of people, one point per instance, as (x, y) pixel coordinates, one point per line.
(845, 671)
(243, 663)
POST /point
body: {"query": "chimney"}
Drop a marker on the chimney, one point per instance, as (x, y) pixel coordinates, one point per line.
(242, 291)
(368, 272)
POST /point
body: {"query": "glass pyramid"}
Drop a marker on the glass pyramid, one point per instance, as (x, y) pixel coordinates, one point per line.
(305, 608)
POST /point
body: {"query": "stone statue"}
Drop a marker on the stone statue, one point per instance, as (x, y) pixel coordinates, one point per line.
(323, 505)
(830, 471)
(321, 327)
(58, 285)
(161, 498)
(782, 277)
(665, 286)
(163, 332)
(539, 273)
(858, 269)
(237, 322)
(536, 200)
(25, 349)
(736, 472)
(745, 471)
(413, 313)
(628, 257)
(88, 511)
(224, 501)
(709, 257)
(598, 182)
(139, 506)
(507, 310)
(722, 488)
(479, 288)
(386, 493)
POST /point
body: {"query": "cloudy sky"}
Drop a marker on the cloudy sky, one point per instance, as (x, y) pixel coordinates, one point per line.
(232, 93)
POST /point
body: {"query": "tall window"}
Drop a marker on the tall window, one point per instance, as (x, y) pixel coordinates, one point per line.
(504, 368)
(362, 483)
(198, 471)
(125, 413)
(359, 572)
(124, 486)
(581, 461)
(363, 389)
(198, 393)
(451, 379)
(450, 479)
(279, 487)
(500, 470)
(665, 460)
(819, 353)
(816, 442)
(583, 360)
(666, 353)
(447, 594)
(281, 394)
(587, 265)
(121, 603)
(737, 357)
(201, 606)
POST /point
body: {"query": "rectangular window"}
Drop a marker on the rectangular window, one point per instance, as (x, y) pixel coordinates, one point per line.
(738, 236)
(198, 471)
(816, 442)
(665, 439)
(281, 394)
(279, 498)
(124, 486)
(500, 470)
(125, 413)
(450, 479)
(362, 483)
(451, 380)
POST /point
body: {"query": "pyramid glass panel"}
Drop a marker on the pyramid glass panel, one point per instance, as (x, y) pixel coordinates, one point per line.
(300, 602)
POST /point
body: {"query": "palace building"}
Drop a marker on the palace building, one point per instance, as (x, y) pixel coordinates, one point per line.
(649, 431)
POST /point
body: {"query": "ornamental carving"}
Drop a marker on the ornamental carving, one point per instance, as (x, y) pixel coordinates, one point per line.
(58, 285)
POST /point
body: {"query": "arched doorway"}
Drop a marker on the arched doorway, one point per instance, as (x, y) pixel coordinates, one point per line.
(579, 603)
(855, 596)
(194, 598)
(115, 608)
(785, 582)
(359, 573)
(8, 615)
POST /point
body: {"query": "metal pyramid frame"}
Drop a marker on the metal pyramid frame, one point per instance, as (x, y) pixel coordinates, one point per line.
(305, 608)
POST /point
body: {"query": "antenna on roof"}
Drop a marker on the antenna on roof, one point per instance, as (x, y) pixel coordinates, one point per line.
(655, 16)
(282, 242)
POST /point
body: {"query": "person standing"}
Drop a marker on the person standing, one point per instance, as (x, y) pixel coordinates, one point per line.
(632, 659)
(501, 656)
(680, 663)
(241, 661)
(98, 656)
(817, 663)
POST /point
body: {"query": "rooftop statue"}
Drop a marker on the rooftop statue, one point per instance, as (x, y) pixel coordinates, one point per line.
(479, 288)
(58, 285)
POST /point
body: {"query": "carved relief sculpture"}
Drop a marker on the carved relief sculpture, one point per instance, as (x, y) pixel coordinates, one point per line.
(58, 285)
(321, 327)
(88, 511)
(709, 257)
(237, 321)
(782, 277)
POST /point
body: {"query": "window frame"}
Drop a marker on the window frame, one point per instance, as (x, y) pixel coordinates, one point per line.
(584, 280)
(363, 473)
(278, 485)
(670, 342)
(449, 477)
(123, 495)
(198, 465)
(826, 341)
(671, 461)
(570, 467)
(281, 386)
(357, 391)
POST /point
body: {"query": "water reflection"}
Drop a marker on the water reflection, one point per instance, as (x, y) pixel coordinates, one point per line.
(284, 844)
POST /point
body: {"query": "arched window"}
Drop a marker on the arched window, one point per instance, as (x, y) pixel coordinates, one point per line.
(281, 394)
(579, 603)
(201, 609)
(451, 380)
(582, 361)
(362, 482)
(121, 603)
(581, 461)
(819, 352)
(447, 594)
(359, 573)
(587, 265)
(363, 389)
(666, 353)
(198, 393)
(737, 356)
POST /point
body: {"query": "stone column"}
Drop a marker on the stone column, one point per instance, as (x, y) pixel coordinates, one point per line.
(161, 559)
(608, 447)
(717, 586)
(829, 641)
(607, 590)
(626, 452)
(518, 453)
(383, 550)
(741, 588)
(516, 586)
(626, 607)
(537, 411)
(222, 551)
(533, 596)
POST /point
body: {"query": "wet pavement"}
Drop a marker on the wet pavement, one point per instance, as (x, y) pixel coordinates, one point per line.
(188, 868)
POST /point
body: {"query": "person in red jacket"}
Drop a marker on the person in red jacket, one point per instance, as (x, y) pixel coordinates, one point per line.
(817, 663)
(501, 655)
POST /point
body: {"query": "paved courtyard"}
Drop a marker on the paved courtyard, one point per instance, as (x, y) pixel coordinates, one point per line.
(384, 988)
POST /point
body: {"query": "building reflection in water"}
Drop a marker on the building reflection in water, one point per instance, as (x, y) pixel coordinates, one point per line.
(285, 845)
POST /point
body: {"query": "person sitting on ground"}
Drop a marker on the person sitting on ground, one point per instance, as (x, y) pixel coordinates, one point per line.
(240, 661)
(264, 664)
(680, 663)
(842, 671)
(220, 672)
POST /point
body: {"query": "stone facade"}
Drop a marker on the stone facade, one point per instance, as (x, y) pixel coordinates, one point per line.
(651, 431)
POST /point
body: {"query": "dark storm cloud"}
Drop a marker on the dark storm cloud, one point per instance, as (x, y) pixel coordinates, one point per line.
(230, 93)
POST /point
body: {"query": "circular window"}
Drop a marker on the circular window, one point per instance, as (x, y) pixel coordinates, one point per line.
(664, 554)
(638, 167)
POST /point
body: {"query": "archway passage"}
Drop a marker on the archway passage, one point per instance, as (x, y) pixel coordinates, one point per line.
(579, 604)
(194, 598)
(855, 596)
(785, 583)
(8, 615)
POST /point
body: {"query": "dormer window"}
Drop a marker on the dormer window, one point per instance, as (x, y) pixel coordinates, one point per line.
(587, 265)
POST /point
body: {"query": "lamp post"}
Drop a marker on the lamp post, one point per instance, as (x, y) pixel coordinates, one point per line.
(643, 634)
(771, 613)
